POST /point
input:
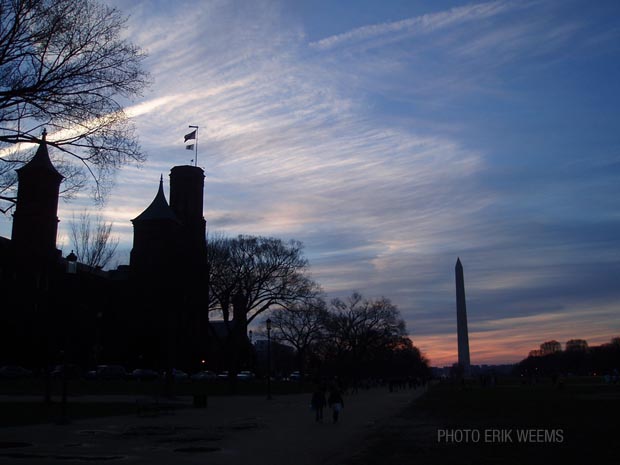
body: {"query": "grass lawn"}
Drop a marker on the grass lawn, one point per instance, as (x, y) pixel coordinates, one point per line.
(36, 386)
(14, 413)
(28, 413)
(507, 424)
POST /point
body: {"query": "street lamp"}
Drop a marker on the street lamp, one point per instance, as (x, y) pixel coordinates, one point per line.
(71, 270)
(71, 263)
(63, 399)
(98, 348)
(268, 324)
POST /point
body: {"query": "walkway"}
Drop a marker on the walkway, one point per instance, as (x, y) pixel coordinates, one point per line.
(232, 430)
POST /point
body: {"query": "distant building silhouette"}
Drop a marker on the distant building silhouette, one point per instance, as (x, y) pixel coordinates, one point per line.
(461, 320)
(150, 313)
(186, 201)
(169, 267)
(29, 261)
(156, 239)
(35, 220)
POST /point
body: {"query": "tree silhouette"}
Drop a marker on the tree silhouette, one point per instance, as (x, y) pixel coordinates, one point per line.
(302, 326)
(550, 347)
(361, 334)
(352, 339)
(360, 326)
(254, 273)
(578, 358)
(65, 66)
(577, 345)
(92, 241)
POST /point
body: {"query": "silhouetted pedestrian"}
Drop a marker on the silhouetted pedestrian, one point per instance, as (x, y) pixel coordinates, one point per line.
(318, 403)
(336, 403)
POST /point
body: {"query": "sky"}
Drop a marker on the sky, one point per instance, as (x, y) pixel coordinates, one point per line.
(392, 137)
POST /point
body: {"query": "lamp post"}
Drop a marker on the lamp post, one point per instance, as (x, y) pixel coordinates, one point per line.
(268, 324)
(71, 270)
(98, 348)
(63, 399)
(71, 263)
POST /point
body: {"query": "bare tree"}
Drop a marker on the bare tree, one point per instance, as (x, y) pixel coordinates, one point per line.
(92, 241)
(254, 274)
(352, 338)
(361, 330)
(65, 66)
(301, 326)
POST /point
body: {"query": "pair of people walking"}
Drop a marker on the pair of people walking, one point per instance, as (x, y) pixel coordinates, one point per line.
(334, 401)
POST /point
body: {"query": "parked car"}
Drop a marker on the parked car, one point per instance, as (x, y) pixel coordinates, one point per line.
(144, 374)
(245, 375)
(180, 375)
(14, 372)
(70, 370)
(295, 376)
(222, 375)
(106, 372)
(204, 375)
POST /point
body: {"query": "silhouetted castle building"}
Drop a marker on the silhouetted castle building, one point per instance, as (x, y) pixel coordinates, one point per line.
(150, 313)
(35, 221)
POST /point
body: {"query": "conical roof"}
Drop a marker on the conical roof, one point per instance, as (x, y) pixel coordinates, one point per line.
(41, 162)
(158, 209)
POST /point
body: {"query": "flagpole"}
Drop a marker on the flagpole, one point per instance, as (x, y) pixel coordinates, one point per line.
(196, 147)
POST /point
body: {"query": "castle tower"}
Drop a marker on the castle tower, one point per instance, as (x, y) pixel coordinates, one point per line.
(35, 221)
(155, 238)
(186, 201)
(461, 319)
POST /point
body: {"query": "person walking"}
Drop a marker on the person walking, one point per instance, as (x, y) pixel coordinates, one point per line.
(318, 403)
(336, 403)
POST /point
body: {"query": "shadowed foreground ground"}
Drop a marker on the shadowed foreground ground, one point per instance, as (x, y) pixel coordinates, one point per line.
(377, 427)
(232, 430)
(517, 424)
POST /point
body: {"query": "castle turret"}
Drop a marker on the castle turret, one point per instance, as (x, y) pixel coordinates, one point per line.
(186, 200)
(35, 221)
(155, 238)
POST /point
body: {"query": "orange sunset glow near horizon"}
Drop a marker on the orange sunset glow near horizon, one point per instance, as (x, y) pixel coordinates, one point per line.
(441, 350)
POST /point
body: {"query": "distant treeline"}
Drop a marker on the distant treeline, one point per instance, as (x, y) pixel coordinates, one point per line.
(578, 358)
(354, 338)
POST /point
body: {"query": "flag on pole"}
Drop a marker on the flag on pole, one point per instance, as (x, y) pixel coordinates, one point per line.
(191, 135)
(189, 147)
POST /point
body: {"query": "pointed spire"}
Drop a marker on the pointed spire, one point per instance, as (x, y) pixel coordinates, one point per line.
(41, 160)
(159, 208)
(458, 262)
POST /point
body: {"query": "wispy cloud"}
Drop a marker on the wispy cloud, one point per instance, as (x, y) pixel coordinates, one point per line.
(293, 147)
(417, 25)
(393, 148)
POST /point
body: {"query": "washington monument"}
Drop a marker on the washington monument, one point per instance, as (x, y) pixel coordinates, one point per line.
(461, 319)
